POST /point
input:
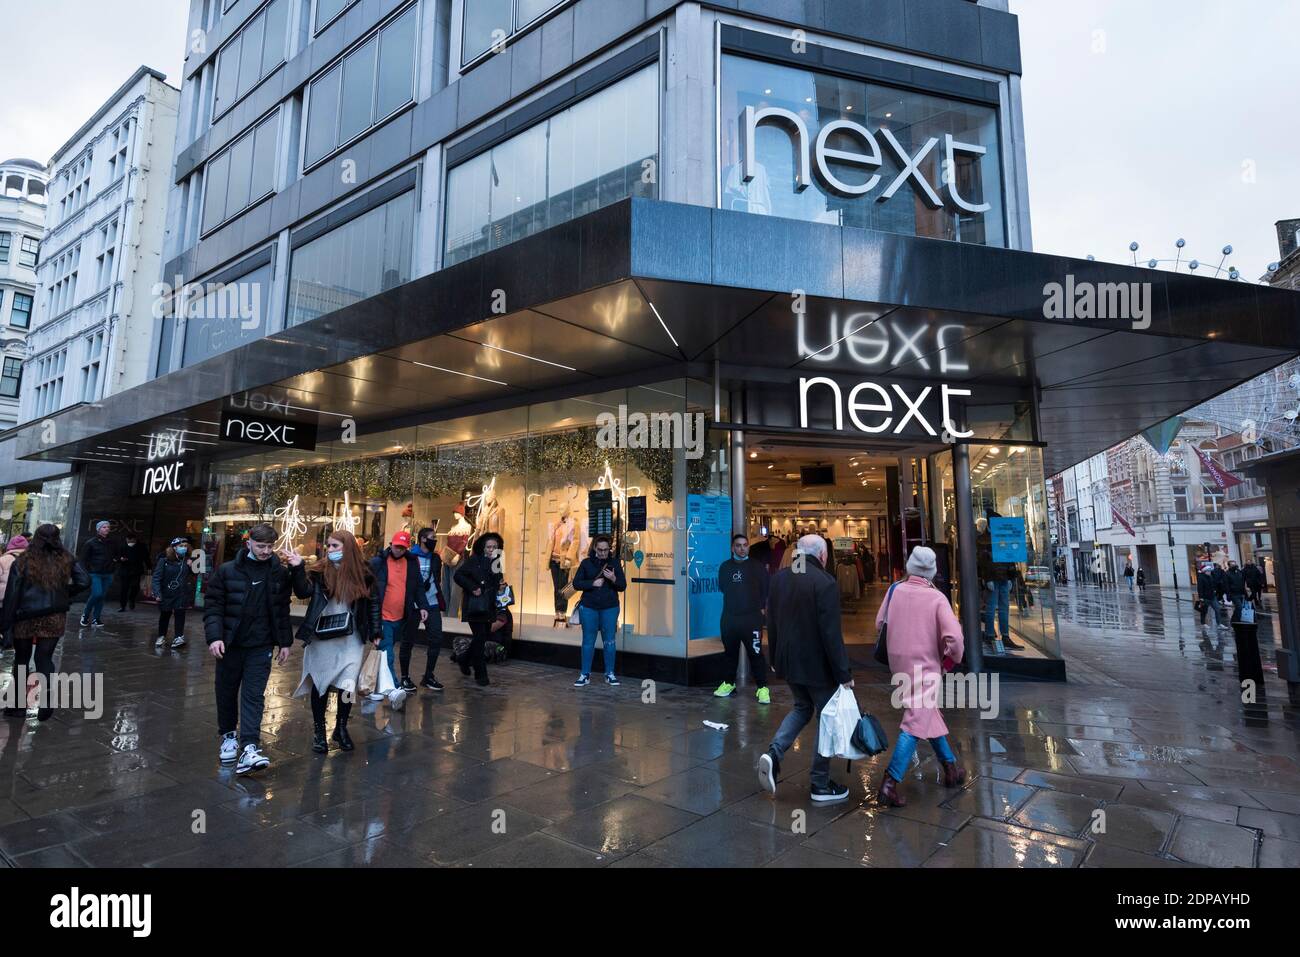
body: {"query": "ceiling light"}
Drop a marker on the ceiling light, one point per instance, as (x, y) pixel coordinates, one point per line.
(753, 455)
(467, 375)
(558, 365)
(664, 324)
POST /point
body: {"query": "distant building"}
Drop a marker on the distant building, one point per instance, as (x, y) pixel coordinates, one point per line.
(22, 223)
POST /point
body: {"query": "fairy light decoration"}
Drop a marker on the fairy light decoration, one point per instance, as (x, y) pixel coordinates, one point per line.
(292, 525)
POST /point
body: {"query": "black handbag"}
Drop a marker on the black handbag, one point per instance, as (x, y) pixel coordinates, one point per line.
(882, 646)
(869, 736)
(334, 626)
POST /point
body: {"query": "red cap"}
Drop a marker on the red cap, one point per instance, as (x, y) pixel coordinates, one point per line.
(403, 539)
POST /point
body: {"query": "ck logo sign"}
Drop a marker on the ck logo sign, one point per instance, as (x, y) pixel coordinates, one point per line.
(259, 430)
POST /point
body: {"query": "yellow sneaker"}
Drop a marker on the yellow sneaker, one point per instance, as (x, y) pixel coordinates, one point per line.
(764, 696)
(725, 690)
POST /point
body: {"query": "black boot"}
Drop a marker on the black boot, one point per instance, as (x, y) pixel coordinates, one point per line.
(341, 736)
(44, 714)
(318, 742)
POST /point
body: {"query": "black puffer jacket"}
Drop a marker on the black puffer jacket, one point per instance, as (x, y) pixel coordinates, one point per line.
(24, 600)
(100, 555)
(365, 611)
(173, 583)
(229, 589)
(476, 572)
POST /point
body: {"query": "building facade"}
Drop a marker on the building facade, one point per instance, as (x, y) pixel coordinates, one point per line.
(420, 250)
(22, 223)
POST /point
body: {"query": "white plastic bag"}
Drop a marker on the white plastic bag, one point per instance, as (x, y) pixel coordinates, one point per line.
(389, 688)
(838, 722)
(1247, 613)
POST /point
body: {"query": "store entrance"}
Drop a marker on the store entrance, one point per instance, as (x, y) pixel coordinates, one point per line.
(868, 504)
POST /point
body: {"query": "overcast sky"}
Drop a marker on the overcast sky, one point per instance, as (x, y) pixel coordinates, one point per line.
(1146, 119)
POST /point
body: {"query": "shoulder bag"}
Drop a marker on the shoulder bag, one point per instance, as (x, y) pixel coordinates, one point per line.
(882, 647)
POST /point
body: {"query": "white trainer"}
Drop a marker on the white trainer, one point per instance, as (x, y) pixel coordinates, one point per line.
(178, 641)
(252, 759)
(229, 748)
(162, 640)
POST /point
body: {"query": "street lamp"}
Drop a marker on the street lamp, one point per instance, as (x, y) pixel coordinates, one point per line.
(1173, 564)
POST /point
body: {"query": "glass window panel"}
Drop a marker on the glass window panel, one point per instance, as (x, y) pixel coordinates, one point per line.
(358, 91)
(530, 10)
(482, 19)
(214, 195)
(396, 64)
(250, 64)
(227, 77)
(468, 208)
(241, 176)
(353, 262)
(277, 17)
(264, 158)
(322, 114)
(327, 10)
(229, 315)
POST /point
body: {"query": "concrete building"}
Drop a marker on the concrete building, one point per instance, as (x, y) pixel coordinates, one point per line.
(417, 246)
(22, 223)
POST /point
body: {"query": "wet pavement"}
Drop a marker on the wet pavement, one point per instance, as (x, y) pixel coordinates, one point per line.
(1145, 757)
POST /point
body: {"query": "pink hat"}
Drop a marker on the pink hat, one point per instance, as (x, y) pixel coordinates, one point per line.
(18, 541)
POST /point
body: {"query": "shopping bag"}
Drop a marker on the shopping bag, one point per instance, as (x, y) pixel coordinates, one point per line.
(1247, 613)
(368, 676)
(839, 721)
(869, 736)
(387, 685)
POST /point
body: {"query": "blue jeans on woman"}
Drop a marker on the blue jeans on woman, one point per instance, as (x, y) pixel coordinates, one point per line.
(604, 620)
(99, 586)
(906, 747)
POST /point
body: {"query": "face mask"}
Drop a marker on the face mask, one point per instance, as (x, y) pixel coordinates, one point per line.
(740, 558)
(181, 549)
(335, 556)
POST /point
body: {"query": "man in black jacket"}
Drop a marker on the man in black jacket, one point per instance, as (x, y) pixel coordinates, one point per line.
(807, 647)
(131, 562)
(246, 619)
(99, 558)
(743, 584)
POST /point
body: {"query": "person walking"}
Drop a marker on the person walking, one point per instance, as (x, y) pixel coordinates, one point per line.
(925, 640)
(343, 613)
(402, 601)
(1220, 577)
(807, 649)
(132, 561)
(98, 557)
(1207, 597)
(174, 583)
(39, 589)
(1141, 580)
(479, 577)
(13, 549)
(600, 579)
(1236, 589)
(1254, 576)
(426, 553)
(743, 583)
(1129, 572)
(246, 624)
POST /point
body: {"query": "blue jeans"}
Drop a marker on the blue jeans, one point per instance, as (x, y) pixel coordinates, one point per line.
(99, 586)
(906, 747)
(604, 620)
(391, 635)
(999, 600)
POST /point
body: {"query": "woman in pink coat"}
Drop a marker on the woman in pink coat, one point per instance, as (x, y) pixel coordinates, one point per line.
(923, 637)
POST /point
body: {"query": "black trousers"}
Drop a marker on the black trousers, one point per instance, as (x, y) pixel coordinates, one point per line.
(166, 613)
(44, 661)
(479, 631)
(559, 578)
(242, 674)
(433, 632)
(130, 589)
(748, 634)
(318, 702)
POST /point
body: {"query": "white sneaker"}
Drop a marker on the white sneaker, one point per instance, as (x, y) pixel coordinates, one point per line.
(229, 748)
(178, 641)
(162, 640)
(375, 696)
(396, 699)
(252, 759)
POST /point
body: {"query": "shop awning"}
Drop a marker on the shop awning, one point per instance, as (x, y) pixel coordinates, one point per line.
(645, 289)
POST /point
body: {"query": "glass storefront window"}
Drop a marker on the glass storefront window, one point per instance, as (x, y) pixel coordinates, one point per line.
(595, 153)
(1015, 557)
(836, 192)
(360, 259)
(227, 314)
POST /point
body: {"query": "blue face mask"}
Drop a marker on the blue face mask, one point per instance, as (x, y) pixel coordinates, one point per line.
(335, 556)
(740, 558)
(181, 549)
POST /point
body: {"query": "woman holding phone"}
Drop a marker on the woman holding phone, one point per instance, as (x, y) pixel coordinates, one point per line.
(600, 579)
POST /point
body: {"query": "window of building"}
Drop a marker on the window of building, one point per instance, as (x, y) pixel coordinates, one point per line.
(29, 253)
(49, 377)
(117, 162)
(21, 313)
(1182, 504)
(370, 84)
(226, 312)
(327, 11)
(361, 258)
(1213, 496)
(592, 154)
(104, 261)
(494, 22)
(251, 56)
(94, 349)
(6, 241)
(964, 204)
(242, 174)
(11, 378)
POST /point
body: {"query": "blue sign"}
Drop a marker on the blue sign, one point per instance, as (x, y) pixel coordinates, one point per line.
(1009, 543)
(708, 545)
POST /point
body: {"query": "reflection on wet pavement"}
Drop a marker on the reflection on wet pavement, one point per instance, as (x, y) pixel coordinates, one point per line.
(1145, 757)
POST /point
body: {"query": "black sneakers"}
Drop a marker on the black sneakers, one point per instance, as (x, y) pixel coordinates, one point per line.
(431, 683)
(408, 685)
(832, 792)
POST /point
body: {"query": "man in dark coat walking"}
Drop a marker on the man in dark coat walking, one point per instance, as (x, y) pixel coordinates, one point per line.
(807, 647)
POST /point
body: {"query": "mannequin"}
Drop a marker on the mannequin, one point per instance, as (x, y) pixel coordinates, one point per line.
(453, 553)
(562, 541)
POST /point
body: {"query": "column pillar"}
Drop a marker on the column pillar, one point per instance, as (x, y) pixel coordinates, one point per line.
(969, 567)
